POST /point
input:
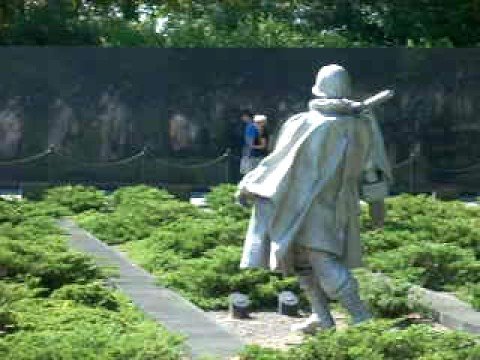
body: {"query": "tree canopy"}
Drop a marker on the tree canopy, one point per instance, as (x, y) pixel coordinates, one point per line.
(241, 23)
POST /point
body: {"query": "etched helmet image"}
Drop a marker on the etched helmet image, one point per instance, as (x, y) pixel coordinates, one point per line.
(333, 82)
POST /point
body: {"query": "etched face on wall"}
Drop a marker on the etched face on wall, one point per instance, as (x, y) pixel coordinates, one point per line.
(11, 128)
(62, 124)
(114, 125)
(182, 132)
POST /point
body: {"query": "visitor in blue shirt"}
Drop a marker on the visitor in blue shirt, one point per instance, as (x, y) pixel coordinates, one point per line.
(250, 133)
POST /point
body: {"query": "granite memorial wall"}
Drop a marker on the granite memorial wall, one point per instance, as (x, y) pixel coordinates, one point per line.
(96, 106)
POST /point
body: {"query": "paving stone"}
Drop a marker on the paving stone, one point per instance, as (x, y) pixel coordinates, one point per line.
(204, 335)
(447, 309)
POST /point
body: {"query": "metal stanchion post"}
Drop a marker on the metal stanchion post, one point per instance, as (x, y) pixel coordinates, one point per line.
(412, 172)
(50, 153)
(413, 156)
(227, 166)
(142, 166)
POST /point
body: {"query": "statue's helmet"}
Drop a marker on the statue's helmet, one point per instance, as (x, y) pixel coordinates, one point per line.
(332, 82)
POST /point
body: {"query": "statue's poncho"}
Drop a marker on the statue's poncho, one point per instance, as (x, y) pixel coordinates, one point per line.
(309, 185)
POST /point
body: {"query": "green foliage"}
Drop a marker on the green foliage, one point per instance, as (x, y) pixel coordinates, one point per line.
(9, 212)
(222, 200)
(376, 340)
(346, 23)
(93, 294)
(255, 352)
(47, 259)
(14, 212)
(11, 292)
(39, 25)
(476, 296)
(134, 196)
(268, 23)
(117, 33)
(31, 245)
(470, 292)
(84, 23)
(65, 330)
(428, 264)
(52, 302)
(386, 297)
(425, 241)
(475, 291)
(192, 238)
(115, 228)
(195, 252)
(263, 31)
(209, 280)
(137, 212)
(428, 242)
(77, 198)
(33, 209)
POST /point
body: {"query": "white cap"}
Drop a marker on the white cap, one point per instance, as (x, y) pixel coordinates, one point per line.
(259, 118)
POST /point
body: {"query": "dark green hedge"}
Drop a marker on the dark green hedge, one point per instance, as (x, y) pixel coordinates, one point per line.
(53, 301)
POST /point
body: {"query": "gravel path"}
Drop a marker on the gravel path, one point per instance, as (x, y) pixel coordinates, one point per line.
(268, 329)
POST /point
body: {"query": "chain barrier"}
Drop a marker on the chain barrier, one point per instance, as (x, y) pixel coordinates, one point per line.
(460, 171)
(104, 164)
(205, 164)
(28, 159)
(411, 159)
(142, 153)
(404, 163)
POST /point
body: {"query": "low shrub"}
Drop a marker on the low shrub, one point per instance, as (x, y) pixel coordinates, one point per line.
(381, 240)
(53, 304)
(137, 212)
(58, 329)
(470, 292)
(209, 280)
(475, 291)
(45, 209)
(115, 228)
(377, 340)
(53, 264)
(432, 243)
(221, 199)
(92, 294)
(386, 297)
(12, 291)
(9, 212)
(428, 264)
(138, 195)
(77, 198)
(191, 238)
(428, 242)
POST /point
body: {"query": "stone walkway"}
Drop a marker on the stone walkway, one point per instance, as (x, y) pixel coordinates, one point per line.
(447, 309)
(204, 335)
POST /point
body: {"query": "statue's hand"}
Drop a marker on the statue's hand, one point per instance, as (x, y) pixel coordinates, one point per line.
(241, 198)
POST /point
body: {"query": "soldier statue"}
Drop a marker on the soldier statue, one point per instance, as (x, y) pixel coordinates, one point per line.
(306, 193)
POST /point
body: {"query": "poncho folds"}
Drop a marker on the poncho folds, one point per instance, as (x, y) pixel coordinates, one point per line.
(317, 164)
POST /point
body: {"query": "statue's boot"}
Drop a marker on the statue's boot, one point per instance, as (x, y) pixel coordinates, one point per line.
(339, 284)
(349, 298)
(321, 317)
